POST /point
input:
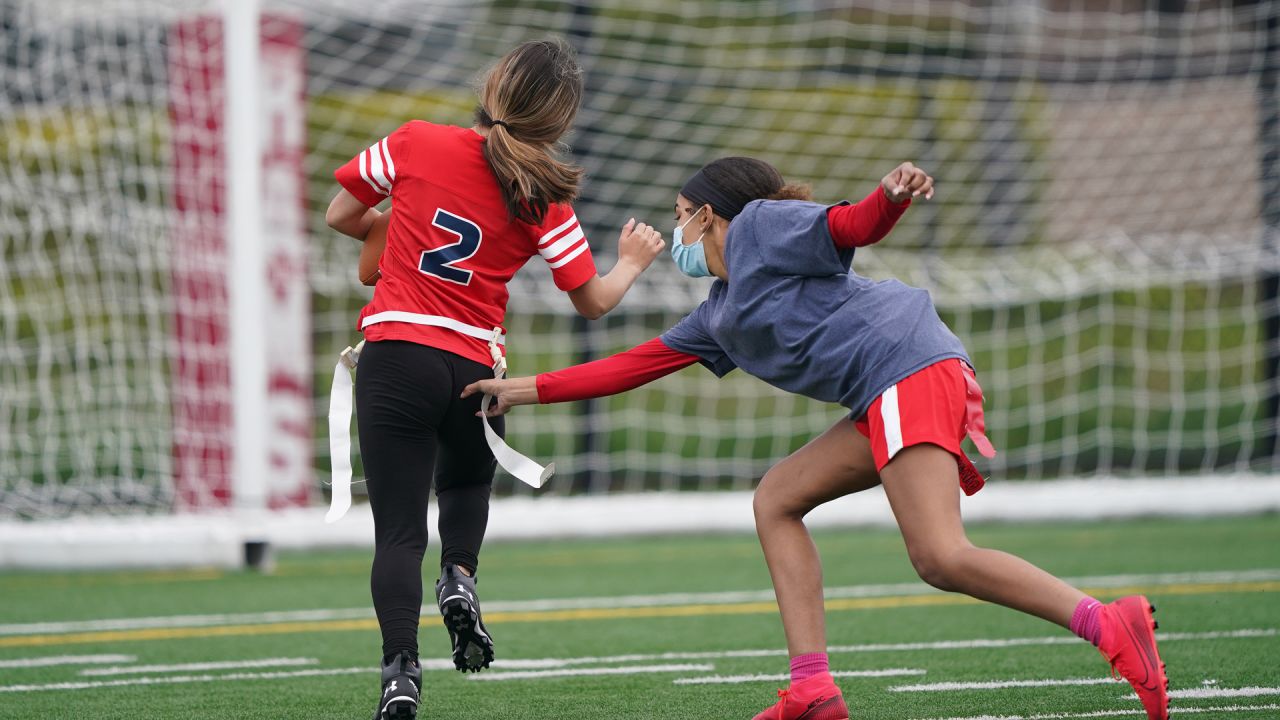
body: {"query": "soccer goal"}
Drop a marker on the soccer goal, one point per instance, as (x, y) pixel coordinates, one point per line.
(171, 302)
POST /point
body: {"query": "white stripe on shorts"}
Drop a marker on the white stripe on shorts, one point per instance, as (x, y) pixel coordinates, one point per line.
(892, 421)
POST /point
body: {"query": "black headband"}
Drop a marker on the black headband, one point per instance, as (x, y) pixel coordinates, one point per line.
(700, 191)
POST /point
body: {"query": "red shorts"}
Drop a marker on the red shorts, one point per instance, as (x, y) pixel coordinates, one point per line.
(940, 404)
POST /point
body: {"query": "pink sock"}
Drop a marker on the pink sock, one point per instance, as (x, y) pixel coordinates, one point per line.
(1086, 621)
(808, 665)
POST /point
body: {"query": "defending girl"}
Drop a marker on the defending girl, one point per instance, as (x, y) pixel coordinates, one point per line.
(787, 308)
(472, 205)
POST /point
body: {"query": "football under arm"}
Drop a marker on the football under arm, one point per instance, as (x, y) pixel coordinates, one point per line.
(375, 242)
(349, 216)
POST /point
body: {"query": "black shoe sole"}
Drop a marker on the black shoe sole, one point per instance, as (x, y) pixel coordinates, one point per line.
(472, 646)
(401, 711)
(404, 696)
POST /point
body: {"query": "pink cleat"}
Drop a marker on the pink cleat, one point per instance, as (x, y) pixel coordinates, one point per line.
(1129, 644)
(814, 698)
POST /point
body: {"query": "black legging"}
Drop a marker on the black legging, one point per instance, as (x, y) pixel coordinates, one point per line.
(413, 422)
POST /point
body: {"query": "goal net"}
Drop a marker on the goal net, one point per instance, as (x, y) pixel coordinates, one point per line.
(1102, 239)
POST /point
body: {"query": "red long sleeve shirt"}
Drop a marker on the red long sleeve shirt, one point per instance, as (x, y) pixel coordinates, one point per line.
(612, 375)
(865, 223)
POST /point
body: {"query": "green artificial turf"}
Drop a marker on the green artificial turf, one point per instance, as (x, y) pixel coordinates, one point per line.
(855, 562)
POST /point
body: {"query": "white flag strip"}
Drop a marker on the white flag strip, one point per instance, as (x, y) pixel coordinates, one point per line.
(521, 467)
(340, 434)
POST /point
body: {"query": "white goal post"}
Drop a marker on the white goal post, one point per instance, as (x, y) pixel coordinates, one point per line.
(1104, 240)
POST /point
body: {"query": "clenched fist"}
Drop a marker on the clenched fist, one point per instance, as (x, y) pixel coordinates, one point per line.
(639, 244)
(906, 182)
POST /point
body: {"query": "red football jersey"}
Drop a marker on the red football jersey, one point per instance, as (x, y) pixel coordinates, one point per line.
(451, 246)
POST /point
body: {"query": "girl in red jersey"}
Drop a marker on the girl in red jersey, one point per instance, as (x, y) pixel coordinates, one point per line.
(787, 308)
(472, 205)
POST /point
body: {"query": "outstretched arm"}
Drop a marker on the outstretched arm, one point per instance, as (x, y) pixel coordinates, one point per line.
(870, 221)
(609, 376)
(638, 245)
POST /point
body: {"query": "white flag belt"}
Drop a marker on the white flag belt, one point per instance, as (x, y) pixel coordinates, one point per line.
(340, 433)
(523, 468)
(492, 335)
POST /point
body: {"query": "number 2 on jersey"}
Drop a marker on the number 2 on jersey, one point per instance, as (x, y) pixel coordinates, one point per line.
(440, 262)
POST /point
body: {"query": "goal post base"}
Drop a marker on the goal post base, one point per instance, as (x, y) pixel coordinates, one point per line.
(227, 541)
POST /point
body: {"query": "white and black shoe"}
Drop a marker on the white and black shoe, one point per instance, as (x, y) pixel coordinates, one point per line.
(401, 678)
(460, 608)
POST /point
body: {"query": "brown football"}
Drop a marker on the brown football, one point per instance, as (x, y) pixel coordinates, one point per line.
(374, 243)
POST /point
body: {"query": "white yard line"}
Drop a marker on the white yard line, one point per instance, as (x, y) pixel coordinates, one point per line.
(1244, 633)
(1218, 692)
(1000, 684)
(584, 603)
(567, 662)
(173, 621)
(736, 679)
(584, 672)
(182, 679)
(507, 664)
(551, 663)
(1117, 713)
(1210, 576)
(54, 660)
(200, 666)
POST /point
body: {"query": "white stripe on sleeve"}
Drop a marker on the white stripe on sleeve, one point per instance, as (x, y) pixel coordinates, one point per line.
(376, 170)
(386, 153)
(892, 420)
(550, 252)
(573, 220)
(364, 173)
(567, 258)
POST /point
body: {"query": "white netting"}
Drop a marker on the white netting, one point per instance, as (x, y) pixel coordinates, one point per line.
(1097, 239)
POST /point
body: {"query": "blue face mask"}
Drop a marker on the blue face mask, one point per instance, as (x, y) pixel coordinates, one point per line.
(691, 259)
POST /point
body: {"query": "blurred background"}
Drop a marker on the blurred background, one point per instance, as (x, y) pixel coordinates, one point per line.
(1103, 238)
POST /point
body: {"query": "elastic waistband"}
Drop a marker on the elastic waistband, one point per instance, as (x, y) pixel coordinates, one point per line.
(495, 335)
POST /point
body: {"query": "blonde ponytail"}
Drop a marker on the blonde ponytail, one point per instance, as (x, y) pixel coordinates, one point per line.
(528, 100)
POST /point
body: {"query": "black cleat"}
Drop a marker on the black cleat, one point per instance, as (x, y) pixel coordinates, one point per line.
(401, 678)
(460, 608)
